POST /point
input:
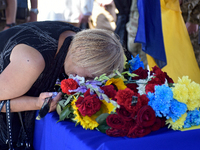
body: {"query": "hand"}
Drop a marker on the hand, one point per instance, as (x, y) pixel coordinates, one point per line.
(192, 28)
(44, 95)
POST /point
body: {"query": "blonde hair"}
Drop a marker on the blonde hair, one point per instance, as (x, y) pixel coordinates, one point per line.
(98, 50)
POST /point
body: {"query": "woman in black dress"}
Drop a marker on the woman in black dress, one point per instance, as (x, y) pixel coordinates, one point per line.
(32, 57)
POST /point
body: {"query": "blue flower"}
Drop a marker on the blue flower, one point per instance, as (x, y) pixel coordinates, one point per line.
(93, 83)
(192, 119)
(135, 63)
(81, 89)
(162, 100)
(176, 110)
(151, 97)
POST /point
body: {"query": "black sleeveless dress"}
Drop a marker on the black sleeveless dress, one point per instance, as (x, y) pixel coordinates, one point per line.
(42, 36)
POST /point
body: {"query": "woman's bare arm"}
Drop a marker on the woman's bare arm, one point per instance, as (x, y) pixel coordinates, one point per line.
(26, 103)
(26, 64)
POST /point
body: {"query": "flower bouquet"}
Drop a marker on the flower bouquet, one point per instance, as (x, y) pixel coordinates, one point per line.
(132, 103)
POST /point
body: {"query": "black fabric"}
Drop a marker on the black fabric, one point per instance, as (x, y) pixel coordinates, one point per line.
(123, 6)
(122, 19)
(3, 4)
(42, 36)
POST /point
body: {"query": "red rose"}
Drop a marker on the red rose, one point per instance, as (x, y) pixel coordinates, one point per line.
(150, 88)
(157, 125)
(133, 87)
(129, 124)
(110, 91)
(88, 105)
(156, 70)
(123, 113)
(115, 121)
(87, 93)
(141, 101)
(124, 98)
(123, 95)
(161, 77)
(146, 116)
(142, 74)
(159, 74)
(155, 80)
(138, 131)
(133, 108)
(143, 98)
(117, 132)
(68, 84)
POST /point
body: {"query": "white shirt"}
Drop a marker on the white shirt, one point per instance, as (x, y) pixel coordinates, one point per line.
(64, 10)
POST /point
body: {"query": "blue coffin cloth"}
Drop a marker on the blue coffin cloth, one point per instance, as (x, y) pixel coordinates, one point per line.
(50, 135)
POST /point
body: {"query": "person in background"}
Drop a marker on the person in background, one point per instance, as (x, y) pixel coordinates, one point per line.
(122, 19)
(191, 15)
(75, 12)
(10, 13)
(103, 15)
(33, 11)
(30, 66)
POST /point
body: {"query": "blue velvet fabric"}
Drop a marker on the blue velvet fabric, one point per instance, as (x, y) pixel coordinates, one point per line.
(149, 31)
(50, 135)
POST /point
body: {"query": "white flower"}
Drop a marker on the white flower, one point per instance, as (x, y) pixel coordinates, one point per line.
(141, 86)
(77, 78)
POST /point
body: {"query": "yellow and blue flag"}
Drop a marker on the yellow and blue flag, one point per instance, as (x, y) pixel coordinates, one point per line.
(164, 37)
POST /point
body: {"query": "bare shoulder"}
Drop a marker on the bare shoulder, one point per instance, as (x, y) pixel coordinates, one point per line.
(26, 65)
(27, 55)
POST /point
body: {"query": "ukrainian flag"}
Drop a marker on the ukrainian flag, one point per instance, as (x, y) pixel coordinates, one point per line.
(164, 37)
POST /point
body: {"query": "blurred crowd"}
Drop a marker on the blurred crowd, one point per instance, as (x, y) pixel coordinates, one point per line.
(119, 16)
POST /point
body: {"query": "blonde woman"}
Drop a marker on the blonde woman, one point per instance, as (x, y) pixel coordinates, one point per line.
(33, 55)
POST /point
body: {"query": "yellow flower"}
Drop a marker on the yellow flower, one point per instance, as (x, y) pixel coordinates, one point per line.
(194, 96)
(185, 80)
(194, 91)
(90, 122)
(180, 93)
(191, 105)
(118, 82)
(177, 125)
(108, 107)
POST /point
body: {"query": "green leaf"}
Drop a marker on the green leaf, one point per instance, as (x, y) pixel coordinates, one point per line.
(64, 113)
(132, 74)
(58, 108)
(118, 73)
(61, 103)
(171, 84)
(102, 118)
(127, 66)
(105, 97)
(102, 128)
(68, 100)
